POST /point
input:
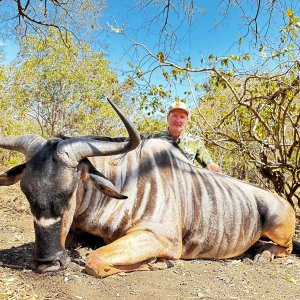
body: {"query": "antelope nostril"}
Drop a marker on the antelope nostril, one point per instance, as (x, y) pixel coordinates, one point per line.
(52, 267)
(52, 264)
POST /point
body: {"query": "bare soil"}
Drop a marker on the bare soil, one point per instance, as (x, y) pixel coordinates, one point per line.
(197, 279)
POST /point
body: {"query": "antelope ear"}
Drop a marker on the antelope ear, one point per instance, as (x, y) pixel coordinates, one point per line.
(105, 186)
(88, 171)
(13, 175)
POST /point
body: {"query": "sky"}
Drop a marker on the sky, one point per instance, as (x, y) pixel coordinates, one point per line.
(10, 49)
(202, 38)
(208, 34)
(196, 41)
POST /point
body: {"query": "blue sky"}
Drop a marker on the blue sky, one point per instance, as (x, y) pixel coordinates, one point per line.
(203, 38)
(10, 49)
(209, 32)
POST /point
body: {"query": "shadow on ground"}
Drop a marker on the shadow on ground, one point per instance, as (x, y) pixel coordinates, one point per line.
(17, 257)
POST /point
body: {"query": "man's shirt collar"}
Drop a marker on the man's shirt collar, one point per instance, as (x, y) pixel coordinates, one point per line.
(177, 141)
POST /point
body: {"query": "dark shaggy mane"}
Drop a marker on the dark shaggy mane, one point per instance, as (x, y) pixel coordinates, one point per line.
(94, 137)
(144, 137)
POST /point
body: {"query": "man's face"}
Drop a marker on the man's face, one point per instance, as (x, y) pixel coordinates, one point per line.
(177, 120)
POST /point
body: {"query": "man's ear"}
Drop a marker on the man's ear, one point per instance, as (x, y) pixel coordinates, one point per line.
(99, 180)
(13, 175)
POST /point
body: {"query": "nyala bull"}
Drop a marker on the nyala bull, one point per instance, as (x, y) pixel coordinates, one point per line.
(145, 200)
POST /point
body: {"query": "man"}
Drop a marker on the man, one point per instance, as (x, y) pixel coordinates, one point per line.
(192, 146)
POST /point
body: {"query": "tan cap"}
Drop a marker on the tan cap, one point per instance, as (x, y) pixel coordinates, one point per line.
(178, 105)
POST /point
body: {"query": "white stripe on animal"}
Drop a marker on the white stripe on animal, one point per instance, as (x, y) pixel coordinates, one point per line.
(46, 222)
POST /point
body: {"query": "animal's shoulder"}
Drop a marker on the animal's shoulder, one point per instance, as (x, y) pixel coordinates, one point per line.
(159, 143)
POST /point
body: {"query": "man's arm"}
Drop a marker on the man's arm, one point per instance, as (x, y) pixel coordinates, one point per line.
(205, 160)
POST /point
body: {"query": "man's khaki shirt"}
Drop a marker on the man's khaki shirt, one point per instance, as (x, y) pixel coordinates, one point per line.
(194, 149)
(192, 146)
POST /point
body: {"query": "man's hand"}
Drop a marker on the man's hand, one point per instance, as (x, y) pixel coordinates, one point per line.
(213, 167)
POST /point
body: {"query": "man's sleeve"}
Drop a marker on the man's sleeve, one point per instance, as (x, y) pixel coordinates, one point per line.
(202, 156)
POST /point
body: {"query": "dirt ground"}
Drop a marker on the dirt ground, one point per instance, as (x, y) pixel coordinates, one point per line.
(198, 279)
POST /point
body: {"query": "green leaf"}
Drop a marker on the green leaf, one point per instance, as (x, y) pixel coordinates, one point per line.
(160, 57)
(58, 87)
(224, 62)
(246, 57)
(289, 13)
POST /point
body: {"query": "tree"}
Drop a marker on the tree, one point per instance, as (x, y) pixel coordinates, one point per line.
(70, 18)
(257, 105)
(161, 60)
(10, 123)
(60, 87)
(262, 124)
